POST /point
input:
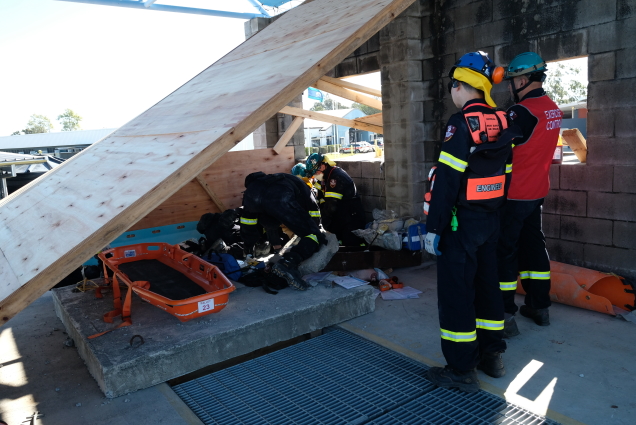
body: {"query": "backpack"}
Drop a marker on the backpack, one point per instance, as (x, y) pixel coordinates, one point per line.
(226, 263)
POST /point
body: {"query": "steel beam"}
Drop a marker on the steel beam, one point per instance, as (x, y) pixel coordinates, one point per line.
(166, 8)
(259, 6)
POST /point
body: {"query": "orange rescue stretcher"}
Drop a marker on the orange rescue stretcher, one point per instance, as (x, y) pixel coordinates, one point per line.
(159, 273)
(588, 289)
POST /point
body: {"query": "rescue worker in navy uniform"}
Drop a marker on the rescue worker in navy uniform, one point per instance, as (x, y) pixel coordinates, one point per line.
(521, 250)
(341, 211)
(463, 227)
(283, 199)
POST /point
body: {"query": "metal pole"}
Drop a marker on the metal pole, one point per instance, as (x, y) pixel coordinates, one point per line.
(167, 8)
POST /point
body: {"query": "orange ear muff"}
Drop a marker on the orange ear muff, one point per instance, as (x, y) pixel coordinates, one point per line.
(498, 75)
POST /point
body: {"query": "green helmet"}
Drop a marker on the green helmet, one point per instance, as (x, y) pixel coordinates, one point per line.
(525, 63)
(298, 170)
(313, 162)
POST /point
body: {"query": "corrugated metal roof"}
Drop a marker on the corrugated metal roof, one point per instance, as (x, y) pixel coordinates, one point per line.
(62, 138)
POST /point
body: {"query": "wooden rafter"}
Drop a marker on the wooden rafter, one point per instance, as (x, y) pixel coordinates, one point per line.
(348, 94)
(298, 112)
(352, 86)
(210, 192)
(288, 134)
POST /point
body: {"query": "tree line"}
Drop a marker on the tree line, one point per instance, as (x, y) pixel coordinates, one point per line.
(69, 120)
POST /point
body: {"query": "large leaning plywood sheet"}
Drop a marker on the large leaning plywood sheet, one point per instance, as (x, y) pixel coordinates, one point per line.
(61, 220)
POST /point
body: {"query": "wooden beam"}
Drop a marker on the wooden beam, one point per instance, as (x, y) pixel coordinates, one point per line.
(210, 192)
(375, 119)
(348, 94)
(82, 205)
(352, 86)
(288, 134)
(298, 112)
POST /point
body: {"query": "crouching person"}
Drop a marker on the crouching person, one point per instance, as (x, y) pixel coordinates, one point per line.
(287, 200)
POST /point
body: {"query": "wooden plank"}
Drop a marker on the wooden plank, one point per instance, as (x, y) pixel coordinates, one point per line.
(352, 86)
(227, 177)
(348, 94)
(288, 134)
(298, 112)
(79, 207)
(375, 119)
(577, 142)
(210, 192)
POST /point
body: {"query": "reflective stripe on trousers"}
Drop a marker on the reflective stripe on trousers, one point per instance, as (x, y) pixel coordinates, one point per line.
(534, 275)
(491, 325)
(459, 336)
(508, 286)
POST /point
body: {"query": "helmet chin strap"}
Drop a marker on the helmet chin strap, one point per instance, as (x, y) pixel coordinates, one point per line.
(515, 92)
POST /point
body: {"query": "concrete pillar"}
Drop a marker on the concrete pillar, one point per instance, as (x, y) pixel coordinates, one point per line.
(268, 134)
(409, 138)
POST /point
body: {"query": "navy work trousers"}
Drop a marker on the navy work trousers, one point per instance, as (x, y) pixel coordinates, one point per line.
(521, 252)
(469, 300)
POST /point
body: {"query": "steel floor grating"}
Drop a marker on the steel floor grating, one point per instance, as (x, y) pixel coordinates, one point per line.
(338, 378)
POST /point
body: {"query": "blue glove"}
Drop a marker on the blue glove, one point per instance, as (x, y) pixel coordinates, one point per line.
(431, 242)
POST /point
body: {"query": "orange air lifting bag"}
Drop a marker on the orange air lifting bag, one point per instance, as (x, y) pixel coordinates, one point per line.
(588, 289)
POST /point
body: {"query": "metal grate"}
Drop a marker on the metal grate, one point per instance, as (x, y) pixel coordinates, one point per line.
(338, 378)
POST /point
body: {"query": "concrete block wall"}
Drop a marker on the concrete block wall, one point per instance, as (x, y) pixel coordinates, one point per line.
(369, 179)
(590, 214)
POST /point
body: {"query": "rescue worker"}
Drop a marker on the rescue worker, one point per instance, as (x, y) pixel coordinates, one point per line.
(463, 227)
(521, 250)
(282, 199)
(341, 212)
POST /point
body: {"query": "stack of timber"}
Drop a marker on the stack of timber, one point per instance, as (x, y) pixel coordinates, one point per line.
(82, 205)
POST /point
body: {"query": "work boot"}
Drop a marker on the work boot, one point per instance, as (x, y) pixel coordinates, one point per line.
(447, 377)
(287, 268)
(541, 316)
(510, 328)
(492, 365)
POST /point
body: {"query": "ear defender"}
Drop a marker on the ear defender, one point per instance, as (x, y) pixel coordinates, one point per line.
(498, 75)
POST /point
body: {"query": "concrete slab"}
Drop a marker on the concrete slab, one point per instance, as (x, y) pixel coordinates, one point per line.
(577, 369)
(252, 320)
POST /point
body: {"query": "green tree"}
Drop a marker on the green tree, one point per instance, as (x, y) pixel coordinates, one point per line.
(564, 84)
(16, 133)
(38, 124)
(327, 105)
(366, 109)
(69, 120)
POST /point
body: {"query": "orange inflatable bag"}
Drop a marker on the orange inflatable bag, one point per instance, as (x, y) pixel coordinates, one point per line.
(588, 289)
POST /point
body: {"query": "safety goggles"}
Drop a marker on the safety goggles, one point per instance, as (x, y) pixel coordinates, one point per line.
(452, 84)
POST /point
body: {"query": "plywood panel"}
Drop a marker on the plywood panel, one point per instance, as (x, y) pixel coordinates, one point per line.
(226, 177)
(82, 205)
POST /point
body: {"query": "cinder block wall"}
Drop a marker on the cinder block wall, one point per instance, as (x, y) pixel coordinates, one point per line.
(369, 179)
(590, 214)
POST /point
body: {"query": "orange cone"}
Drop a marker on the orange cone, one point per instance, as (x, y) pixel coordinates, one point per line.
(588, 289)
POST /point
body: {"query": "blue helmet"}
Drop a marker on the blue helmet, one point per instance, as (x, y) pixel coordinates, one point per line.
(478, 62)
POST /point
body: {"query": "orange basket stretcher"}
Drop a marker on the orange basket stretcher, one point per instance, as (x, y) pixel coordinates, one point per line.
(159, 273)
